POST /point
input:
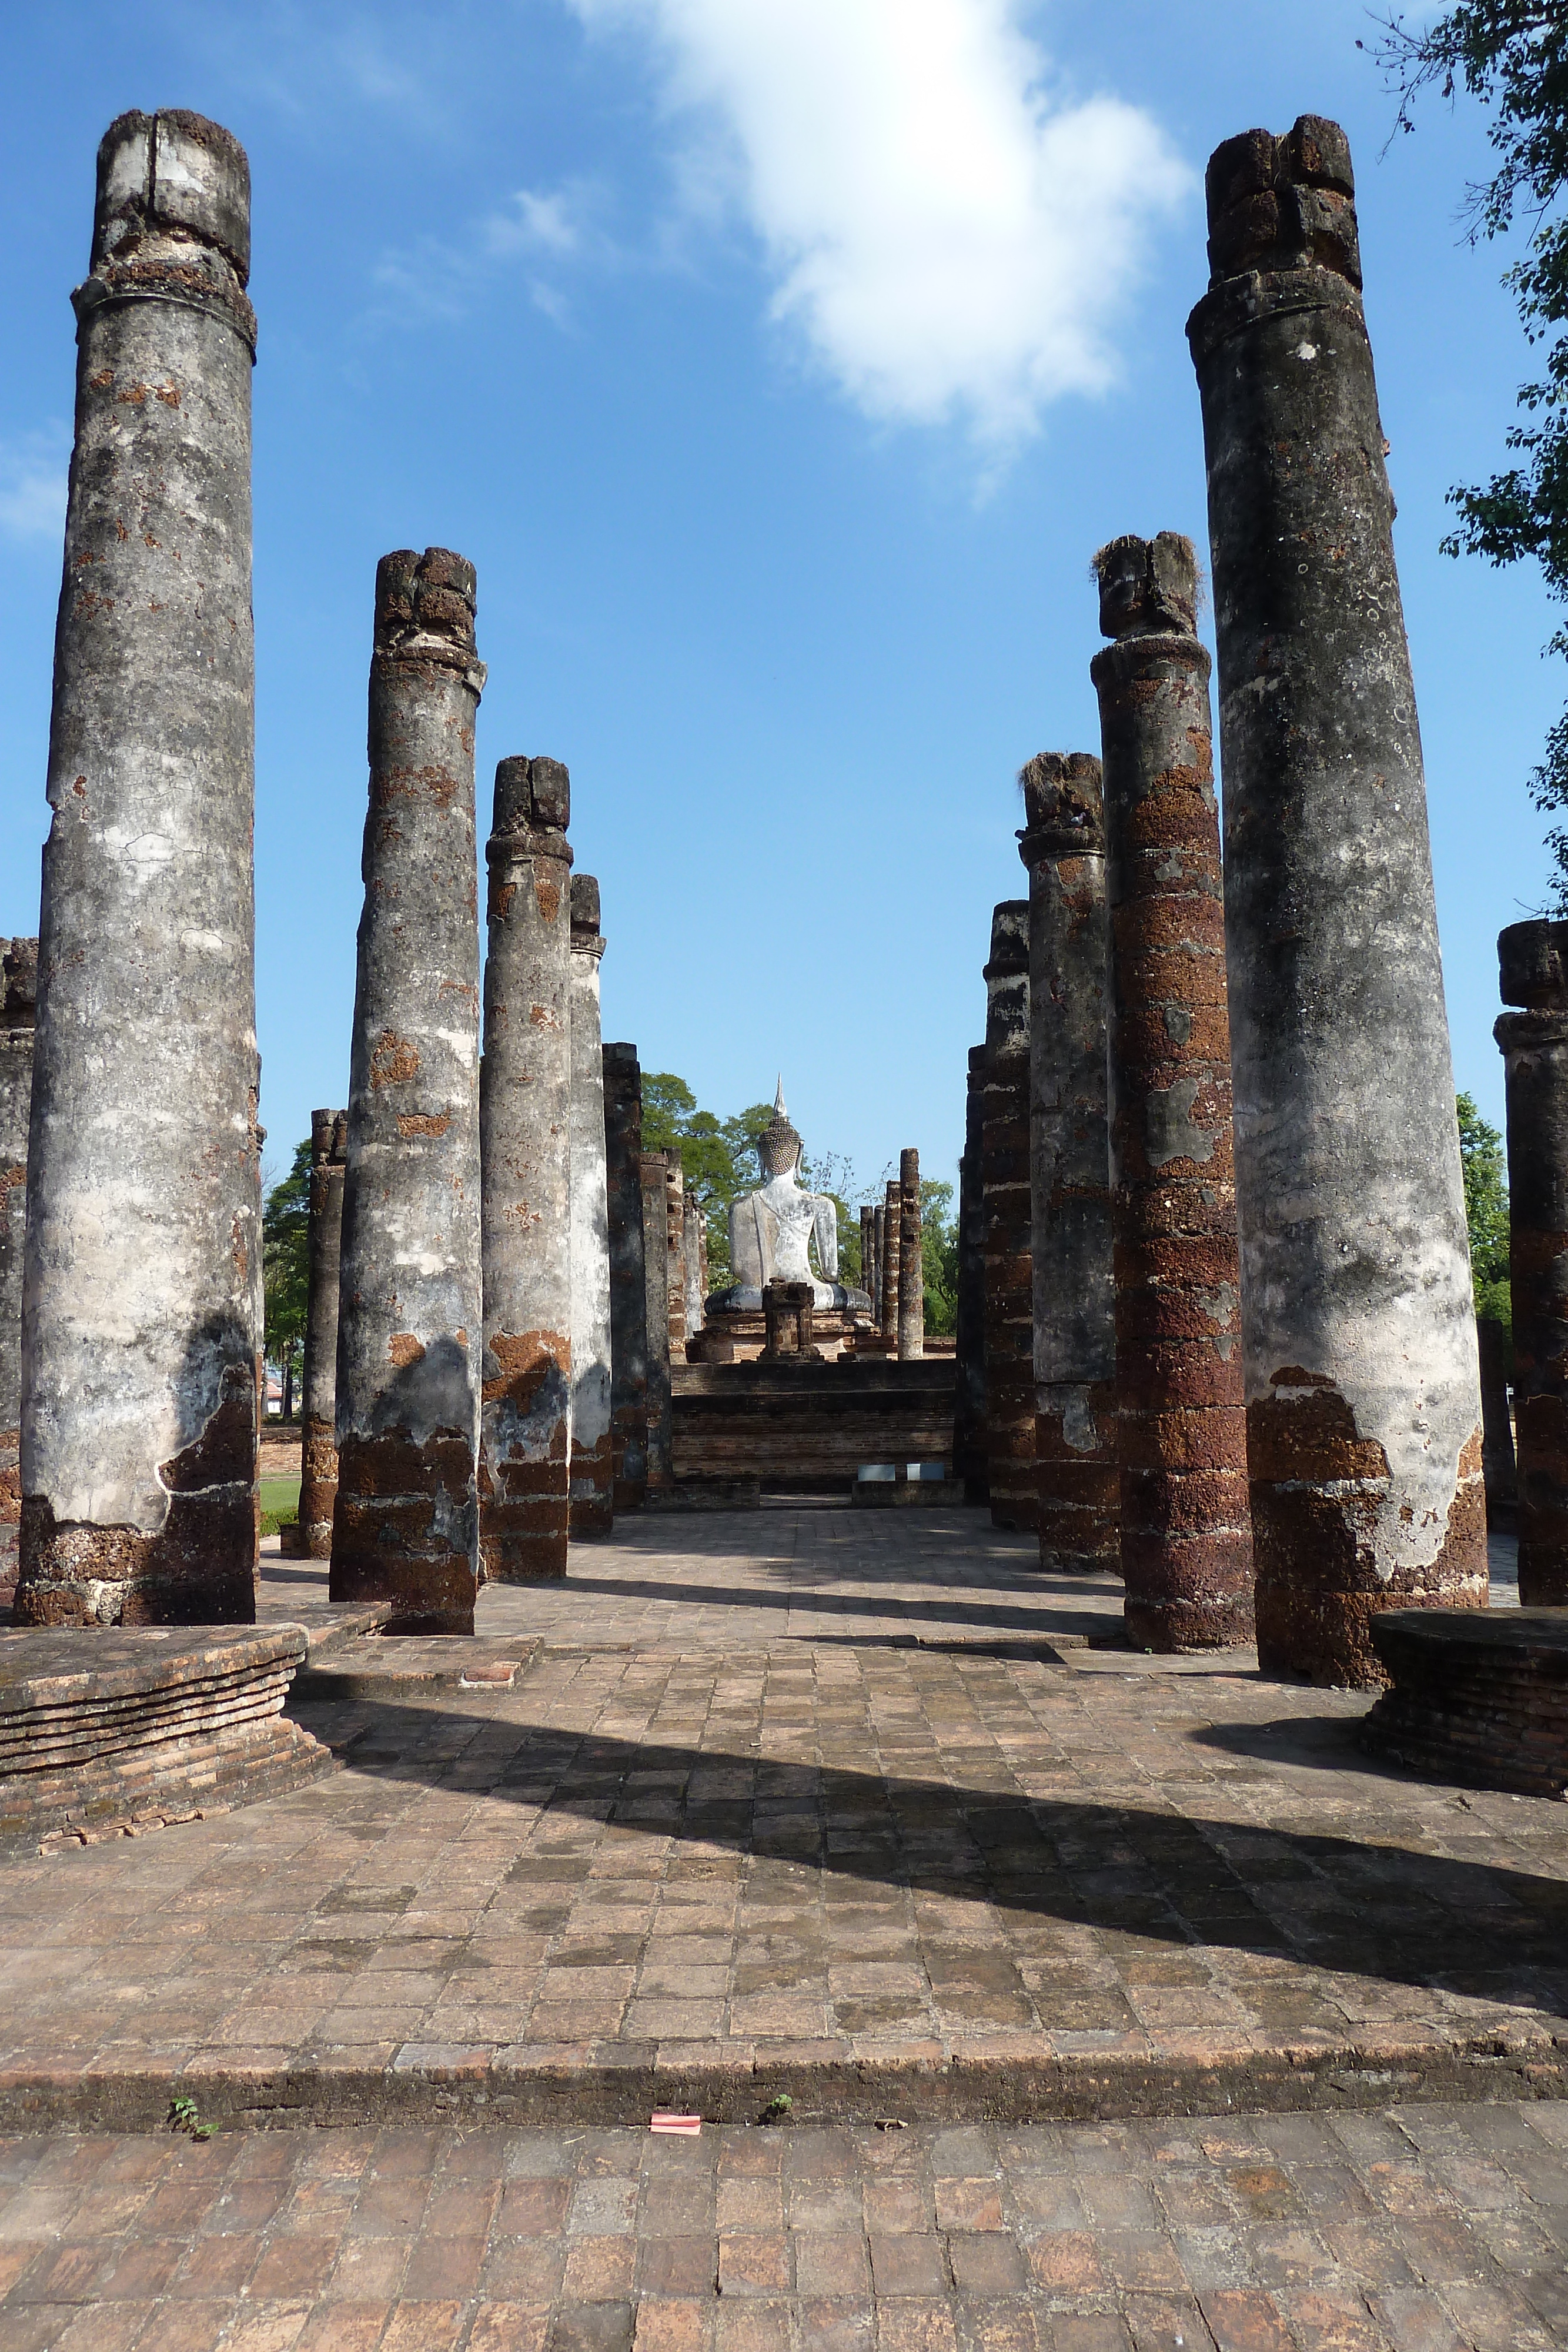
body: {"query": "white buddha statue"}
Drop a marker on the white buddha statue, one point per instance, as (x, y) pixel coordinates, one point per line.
(771, 1231)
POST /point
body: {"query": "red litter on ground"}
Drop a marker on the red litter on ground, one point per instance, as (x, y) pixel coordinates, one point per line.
(690, 2125)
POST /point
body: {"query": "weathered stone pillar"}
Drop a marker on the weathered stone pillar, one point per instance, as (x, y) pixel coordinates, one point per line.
(406, 1522)
(969, 1342)
(911, 1262)
(656, 1293)
(324, 1241)
(525, 1150)
(868, 1255)
(1009, 1310)
(1533, 960)
(592, 1485)
(1497, 1462)
(892, 1223)
(873, 1289)
(693, 1252)
(675, 1246)
(628, 1293)
(1063, 847)
(139, 1407)
(1187, 1548)
(1363, 1411)
(18, 999)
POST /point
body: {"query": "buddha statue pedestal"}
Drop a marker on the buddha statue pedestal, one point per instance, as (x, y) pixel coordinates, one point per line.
(777, 1306)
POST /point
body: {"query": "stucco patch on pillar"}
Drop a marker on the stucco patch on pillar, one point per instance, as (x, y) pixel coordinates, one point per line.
(593, 1440)
(318, 1449)
(18, 999)
(525, 1153)
(1359, 1338)
(1533, 961)
(1063, 847)
(1009, 1295)
(628, 1280)
(405, 1519)
(140, 1400)
(1187, 1545)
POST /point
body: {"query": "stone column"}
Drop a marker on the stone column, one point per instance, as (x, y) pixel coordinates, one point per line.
(526, 1149)
(406, 1522)
(693, 1254)
(1009, 1310)
(892, 1256)
(1063, 847)
(656, 1292)
(675, 1245)
(911, 1262)
(874, 1289)
(319, 1451)
(592, 1470)
(140, 1406)
(969, 1342)
(1533, 960)
(1497, 1462)
(1359, 1344)
(18, 998)
(1186, 1543)
(628, 1295)
(868, 1254)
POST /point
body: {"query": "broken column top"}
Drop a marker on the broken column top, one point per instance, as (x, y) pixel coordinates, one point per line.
(328, 1137)
(424, 610)
(1285, 202)
(172, 174)
(1009, 939)
(18, 983)
(533, 799)
(585, 907)
(1148, 587)
(1532, 965)
(1064, 806)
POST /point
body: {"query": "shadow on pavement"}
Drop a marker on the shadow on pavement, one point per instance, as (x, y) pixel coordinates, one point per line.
(1335, 1901)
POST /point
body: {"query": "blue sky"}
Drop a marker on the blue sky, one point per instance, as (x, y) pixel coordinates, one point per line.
(781, 364)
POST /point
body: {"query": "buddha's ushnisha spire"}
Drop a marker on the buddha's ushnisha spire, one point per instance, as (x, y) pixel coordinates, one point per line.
(779, 1109)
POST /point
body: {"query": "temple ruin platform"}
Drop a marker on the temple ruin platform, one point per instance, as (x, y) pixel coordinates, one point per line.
(1480, 1695)
(110, 1733)
(854, 1807)
(795, 1426)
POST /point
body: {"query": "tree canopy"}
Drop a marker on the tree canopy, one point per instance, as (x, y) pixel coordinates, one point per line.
(286, 1263)
(1513, 56)
(1486, 1210)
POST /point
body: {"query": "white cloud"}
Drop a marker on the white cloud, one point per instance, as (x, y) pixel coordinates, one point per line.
(949, 235)
(33, 470)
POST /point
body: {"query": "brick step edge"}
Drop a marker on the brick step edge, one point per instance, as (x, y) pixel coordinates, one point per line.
(625, 2087)
(159, 1786)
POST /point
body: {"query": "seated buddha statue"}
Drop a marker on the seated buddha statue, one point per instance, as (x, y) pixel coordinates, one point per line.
(772, 1230)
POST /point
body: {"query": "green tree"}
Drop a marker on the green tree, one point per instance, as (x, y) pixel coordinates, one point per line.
(1486, 1210)
(286, 1268)
(939, 1256)
(719, 1157)
(1513, 56)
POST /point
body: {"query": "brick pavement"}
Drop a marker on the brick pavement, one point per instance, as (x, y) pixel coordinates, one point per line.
(942, 1880)
(1423, 2230)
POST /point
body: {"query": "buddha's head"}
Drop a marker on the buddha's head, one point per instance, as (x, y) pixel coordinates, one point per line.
(779, 1146)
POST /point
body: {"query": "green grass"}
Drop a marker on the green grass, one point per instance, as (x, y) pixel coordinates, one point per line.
(279, 1504)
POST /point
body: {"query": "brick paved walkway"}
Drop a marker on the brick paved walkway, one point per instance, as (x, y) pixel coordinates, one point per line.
(991, 1875)
(1427, 2230)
